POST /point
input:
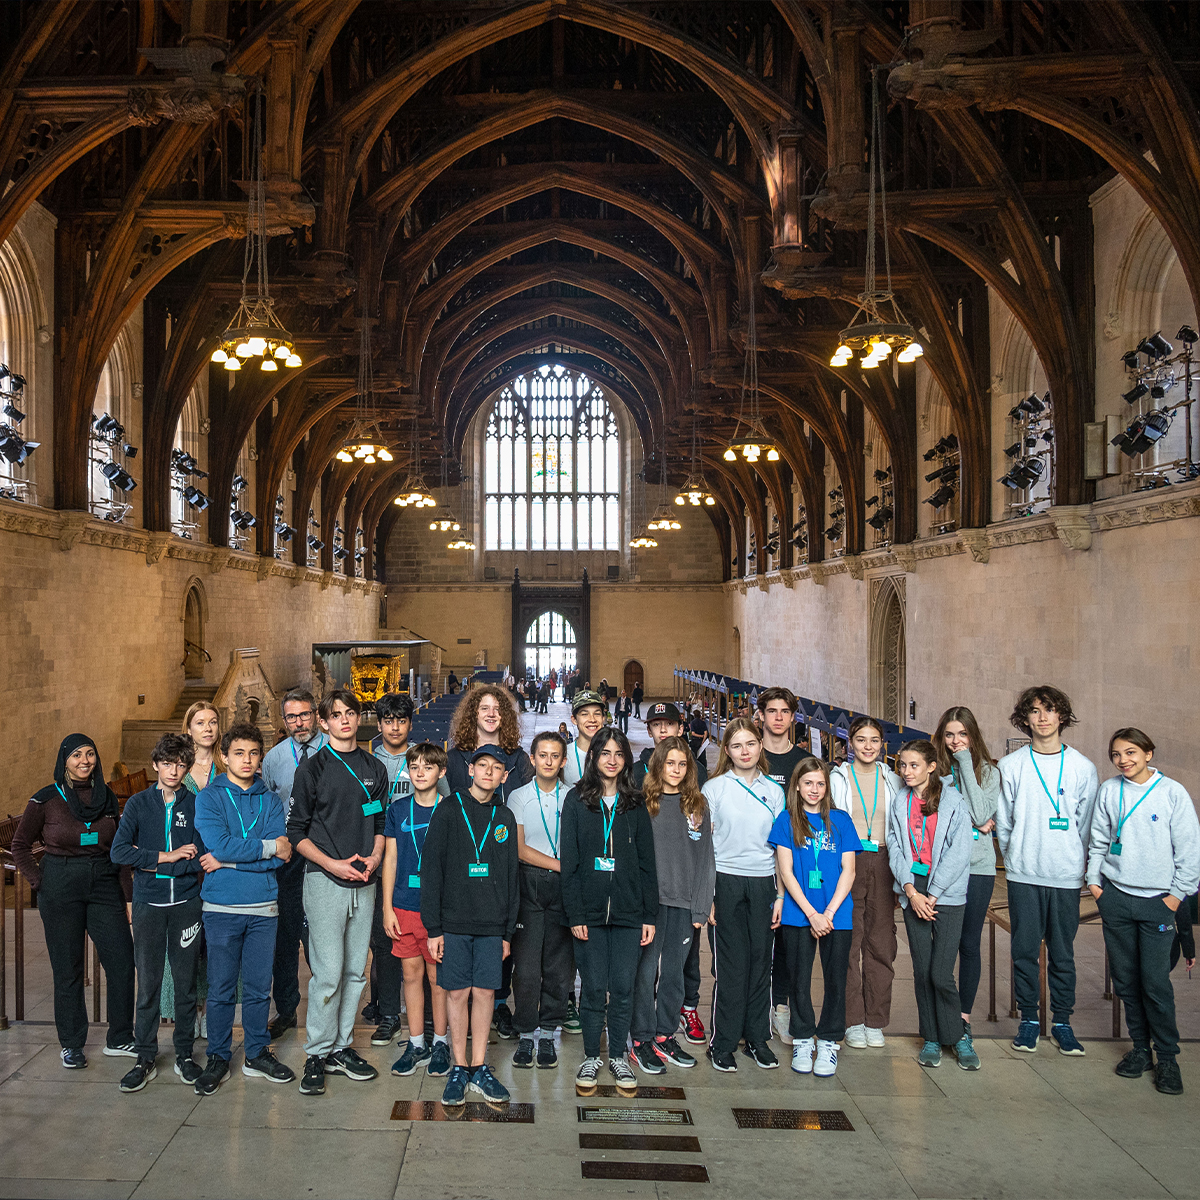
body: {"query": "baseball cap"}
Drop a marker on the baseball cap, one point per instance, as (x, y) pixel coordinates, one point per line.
(663, 712)
(489, 750)
(583, 699)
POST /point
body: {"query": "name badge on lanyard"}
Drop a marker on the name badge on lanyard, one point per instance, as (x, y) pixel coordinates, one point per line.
(869, 846)
(814, 880)
(605, 864)
(371, 808)
(414, 881)
(477, 870)
(89, 839)
(1060, 823)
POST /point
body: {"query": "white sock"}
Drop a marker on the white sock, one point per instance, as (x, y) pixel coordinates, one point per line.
(418, 1042)
(536, 1034)
(440, 1039)
(689, 1008)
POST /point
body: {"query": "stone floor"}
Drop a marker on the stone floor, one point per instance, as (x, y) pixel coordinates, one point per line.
(1025, 1125)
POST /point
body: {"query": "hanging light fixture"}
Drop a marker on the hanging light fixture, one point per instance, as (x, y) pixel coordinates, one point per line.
(753, 441)
(365, 441)
(255, 332)
(445, 520)
(462, 542)
(414, 493)
(880, 332)
(695, 490)
(641, 535)
(663, 519)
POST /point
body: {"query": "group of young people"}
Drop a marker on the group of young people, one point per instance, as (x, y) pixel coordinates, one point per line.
(482, 872)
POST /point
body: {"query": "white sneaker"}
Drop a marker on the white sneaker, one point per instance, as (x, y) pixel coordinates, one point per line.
(781, 1018)
(856, 1036)
(802, 1055)
(874, 1038)
(826, 1058)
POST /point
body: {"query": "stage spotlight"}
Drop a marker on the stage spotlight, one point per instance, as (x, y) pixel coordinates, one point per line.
(118, 477)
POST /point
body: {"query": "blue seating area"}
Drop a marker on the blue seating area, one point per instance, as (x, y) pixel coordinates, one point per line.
(432, 722)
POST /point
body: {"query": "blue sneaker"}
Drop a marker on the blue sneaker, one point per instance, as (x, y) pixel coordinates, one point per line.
(931, 1055)
(1064, 1037)
(412, 1058)
(455, 1095)
(1027, 1037)
(488, 1086)
(964, 1050)
(439, 1060)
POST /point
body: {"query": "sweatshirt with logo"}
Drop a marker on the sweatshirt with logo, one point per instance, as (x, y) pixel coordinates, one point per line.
(238, 827)
(150, 825)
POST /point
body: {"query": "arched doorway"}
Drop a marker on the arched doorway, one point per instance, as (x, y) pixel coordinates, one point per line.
(634, 676)
(550, 644)
(888, 650)
(194, 654)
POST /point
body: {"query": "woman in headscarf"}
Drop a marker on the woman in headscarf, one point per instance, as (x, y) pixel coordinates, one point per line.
(79, 891)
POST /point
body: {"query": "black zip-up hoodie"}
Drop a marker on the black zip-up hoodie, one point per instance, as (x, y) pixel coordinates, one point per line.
(516, 763)
(341, 815)
(452, 899)
(627, 895)
(143, 832)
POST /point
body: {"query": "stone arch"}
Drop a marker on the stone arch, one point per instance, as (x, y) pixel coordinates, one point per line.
(735, 664)
(1136, 300)
(194, 616)
(888, 686)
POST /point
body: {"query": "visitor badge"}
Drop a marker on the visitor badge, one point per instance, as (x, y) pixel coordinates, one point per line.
(1060, 823)
(89, 839)
(371, 808)
(1115, 848)
(414, 881)
(920, 869)
(605, 864)
(975, 834)
(814, 880)
(870, 846)
(477, 870)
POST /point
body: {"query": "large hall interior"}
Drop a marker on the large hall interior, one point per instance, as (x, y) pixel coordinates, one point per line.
(675, 350)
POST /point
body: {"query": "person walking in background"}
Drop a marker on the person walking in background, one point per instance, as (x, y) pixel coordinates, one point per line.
(637, 695)
(621, 713)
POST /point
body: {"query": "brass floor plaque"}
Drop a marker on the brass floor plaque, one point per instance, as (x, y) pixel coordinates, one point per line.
(658, 1142)
(661, 1172)
(792, 1118)
(608, 1090)
(634, 1116)
(431, 1110)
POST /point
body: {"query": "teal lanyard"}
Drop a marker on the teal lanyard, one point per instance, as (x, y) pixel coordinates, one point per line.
(245, 831)
(954, 777)
(312, 749)
(609, 819)
(557, 818)
(578, 765)
(757, 797)
(916, 848)
(401, 773)
(170, 807)
(479, 845)
(351, 770)
(87, 824)
(862, 799)
(1062, 760)
(412, 827)
(1126, 815)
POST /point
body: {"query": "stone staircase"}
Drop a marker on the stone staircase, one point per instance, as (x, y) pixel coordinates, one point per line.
(192, 691)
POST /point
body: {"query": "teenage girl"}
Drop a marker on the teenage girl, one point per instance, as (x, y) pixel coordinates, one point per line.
(687, 872)
(864, 788)
(964, 762)
(610, 894)
(744, 801)
(929, 844)
(815, 847)
(1143, 863)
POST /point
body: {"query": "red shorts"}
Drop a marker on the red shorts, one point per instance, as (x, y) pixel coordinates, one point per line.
(413, 941)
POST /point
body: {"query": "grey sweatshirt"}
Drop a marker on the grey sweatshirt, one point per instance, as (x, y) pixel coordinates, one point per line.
(951, 848)
(1160, 841)
(981, 804)
(1033, 851)
(687, 868)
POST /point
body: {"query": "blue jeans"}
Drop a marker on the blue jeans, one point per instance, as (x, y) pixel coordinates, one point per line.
(246, 944)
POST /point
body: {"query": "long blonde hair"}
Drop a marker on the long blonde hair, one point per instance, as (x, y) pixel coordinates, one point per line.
(741, 725)
(199, 707)
(691, 798)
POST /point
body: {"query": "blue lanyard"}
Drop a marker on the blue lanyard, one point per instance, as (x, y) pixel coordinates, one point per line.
(609, 819)
(1126, 815)
(170, 807)
(862, 799)
(916, 848)
(557, 817)
(317, 739)
(351, 770)
(578, 765)
(1062, 759)
(479, 845)
(401, 773)
(87, 824)
(412, 827)
(757, 797)
(245, 831)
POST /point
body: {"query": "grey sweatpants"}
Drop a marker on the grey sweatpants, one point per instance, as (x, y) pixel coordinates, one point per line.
(656, 1010)
(339, 934)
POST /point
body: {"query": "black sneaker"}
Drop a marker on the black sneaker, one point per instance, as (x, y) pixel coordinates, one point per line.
(643, 1057)
(282, 1023)
(123, 1050)
(73, 1058)
(761, 1054)
(313, 1081)
(138, 1075)
(523, 1057)
(547, 1056)
(267, 1066)
(1135, 1063)
(188, 1069)
(212, 1076)
(722, 1062)
(439, 1060)
(1167, 1078)
(371, 1014)
(347, 1062)
(388, 1028)
(669, 1050)
(502, 1023)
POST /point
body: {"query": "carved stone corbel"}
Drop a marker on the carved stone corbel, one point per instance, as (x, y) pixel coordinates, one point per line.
(156, 547)
(906, 556)
(818, 572)
(1073, 524)
(265, 567)
(218, 559)
(74, 523)
(854, 565)
(976, 544)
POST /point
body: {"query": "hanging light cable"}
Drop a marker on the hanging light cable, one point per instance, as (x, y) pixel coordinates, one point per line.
(445, 520)
(364, 440)
(663, 519)
(414, 493)
(641, 537)
(695, 490)
(754, 442)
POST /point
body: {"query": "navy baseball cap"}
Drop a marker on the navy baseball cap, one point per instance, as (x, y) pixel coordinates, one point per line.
(490, 751)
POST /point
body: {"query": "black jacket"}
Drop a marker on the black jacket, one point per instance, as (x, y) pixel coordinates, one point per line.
(452, 899)
(627, 895)
(642, 766)
(520, 772)
(140, 836)
(331, 807)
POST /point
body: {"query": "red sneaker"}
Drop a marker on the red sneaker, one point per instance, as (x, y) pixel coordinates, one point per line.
(692, 1026)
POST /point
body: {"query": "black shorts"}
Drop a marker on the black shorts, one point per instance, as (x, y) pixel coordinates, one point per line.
(469, 961)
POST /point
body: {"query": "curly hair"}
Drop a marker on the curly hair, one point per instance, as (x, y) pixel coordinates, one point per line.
(691, 799)
(1049, 697)
(464, 726)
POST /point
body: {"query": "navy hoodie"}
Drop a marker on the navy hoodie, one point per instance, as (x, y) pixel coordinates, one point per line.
(148, 827)
(233, 824)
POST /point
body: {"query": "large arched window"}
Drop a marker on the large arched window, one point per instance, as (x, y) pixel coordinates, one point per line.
(552, 465)
(550, 645)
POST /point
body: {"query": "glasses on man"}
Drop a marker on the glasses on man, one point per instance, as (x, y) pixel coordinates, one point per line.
(293, 718)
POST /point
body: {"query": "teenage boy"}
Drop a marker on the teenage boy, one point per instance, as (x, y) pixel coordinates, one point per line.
(469, 903)
(241, 826)
(279, 773)
(404, 834)
(156, 837)
(1043, 822)
(588, 711)
(336, 823)
(543, 953)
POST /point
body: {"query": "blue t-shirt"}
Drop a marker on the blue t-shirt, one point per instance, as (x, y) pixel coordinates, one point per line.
(408, 823)
(820, 853)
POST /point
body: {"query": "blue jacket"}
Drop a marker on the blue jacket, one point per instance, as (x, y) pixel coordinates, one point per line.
(146, 828)
(233, 825)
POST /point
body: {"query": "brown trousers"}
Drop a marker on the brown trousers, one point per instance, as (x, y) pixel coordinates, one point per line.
(873, 943)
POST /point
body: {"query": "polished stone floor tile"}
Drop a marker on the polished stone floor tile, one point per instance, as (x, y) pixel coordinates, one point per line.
(66, 1189)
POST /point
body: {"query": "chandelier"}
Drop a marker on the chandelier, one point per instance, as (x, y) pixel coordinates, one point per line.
(641, 539)
(255, 331)
(365, 441)
(413, 492)
(880, 332)
(445, 520)
(695, 490)
(663, 519)
(754, 441)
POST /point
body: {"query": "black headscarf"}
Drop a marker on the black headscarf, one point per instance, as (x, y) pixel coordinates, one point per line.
(103, 801)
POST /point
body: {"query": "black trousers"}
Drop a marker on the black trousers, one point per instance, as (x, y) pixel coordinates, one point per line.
(387, 971)
(542, 955)
(970, 958)
(291, 933)
(1052, 914)
(1138, 932)
(742, 993)
(173, 935)
(608, 963)
(656, 1009)
(934, 947)
(780, 971)
(691, 970)
(78, 896)
(800, 950)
